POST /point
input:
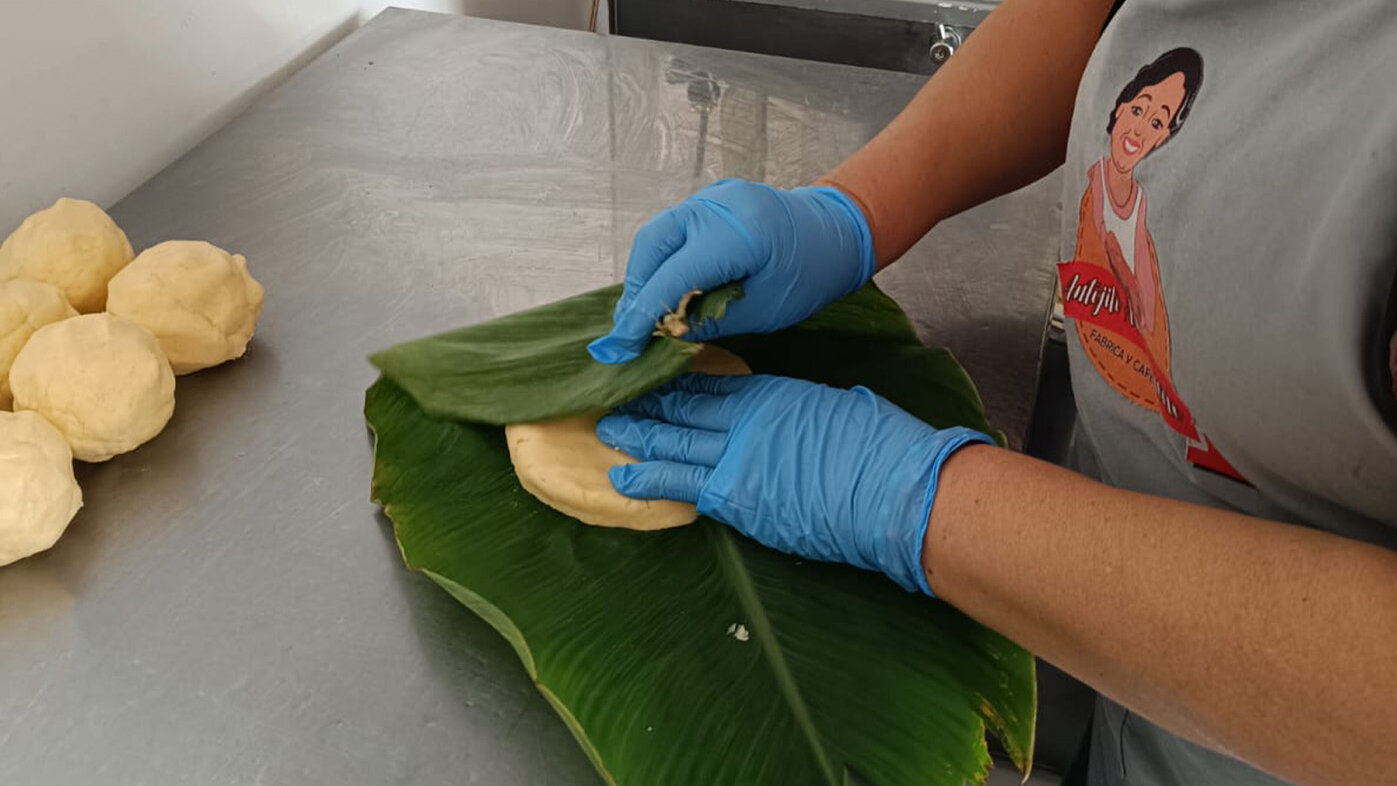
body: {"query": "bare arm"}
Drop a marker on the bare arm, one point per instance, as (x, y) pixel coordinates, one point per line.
(994, 118)
(1275, 643)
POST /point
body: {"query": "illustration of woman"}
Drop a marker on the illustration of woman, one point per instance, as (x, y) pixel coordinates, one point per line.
(1112, 230)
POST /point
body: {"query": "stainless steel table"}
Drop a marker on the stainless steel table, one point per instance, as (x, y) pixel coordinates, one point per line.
(228, 609)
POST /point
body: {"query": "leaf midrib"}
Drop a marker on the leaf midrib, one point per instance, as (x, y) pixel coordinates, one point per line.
(762, 630)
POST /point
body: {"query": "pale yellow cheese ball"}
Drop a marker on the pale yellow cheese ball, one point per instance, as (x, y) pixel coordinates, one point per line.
(198, 300)
(566, 466)
(25, 306)
(101, 380)
(73, 245)
(38, 494)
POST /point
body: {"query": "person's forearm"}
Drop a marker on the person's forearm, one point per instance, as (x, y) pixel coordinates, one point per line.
(1272, 642)
(995, 117)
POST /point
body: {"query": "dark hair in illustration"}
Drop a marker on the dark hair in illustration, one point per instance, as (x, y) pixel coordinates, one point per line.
(1176, 61)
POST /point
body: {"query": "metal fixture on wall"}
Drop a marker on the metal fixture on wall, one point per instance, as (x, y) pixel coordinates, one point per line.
(899, 35)
(945, 43)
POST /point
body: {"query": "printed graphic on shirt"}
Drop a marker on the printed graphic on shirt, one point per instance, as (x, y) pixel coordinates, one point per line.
(1111, 288)
(1392, 364)
(1385, 387)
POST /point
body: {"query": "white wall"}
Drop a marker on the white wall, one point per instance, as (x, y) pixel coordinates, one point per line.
(98, 95)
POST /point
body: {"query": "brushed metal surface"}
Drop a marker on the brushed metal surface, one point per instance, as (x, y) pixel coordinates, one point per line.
(228, 608)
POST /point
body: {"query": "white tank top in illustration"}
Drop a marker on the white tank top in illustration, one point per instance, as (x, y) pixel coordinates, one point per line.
(1123, 228)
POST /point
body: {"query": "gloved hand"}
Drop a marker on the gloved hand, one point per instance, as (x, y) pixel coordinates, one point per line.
(820, 472)
(795, 251)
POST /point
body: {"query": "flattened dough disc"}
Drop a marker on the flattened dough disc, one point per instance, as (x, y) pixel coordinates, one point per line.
(564, 465)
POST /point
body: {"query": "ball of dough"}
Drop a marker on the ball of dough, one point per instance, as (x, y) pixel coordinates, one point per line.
(25, 306)
(102, 381)
(74, 246)
(198, 300)
(565, 465)
(38, 493)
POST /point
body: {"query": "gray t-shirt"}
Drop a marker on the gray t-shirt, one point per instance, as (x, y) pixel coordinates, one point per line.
(1230, 249)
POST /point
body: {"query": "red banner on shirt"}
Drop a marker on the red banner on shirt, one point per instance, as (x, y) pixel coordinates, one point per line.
(1091, 295)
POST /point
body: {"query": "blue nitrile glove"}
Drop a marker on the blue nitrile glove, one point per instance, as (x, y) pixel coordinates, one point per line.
(820, 472)
(795, 251)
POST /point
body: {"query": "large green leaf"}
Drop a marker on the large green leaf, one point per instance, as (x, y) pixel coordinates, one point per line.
(534, 365)
(695, 656)
(865, 338)
(927, 382)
